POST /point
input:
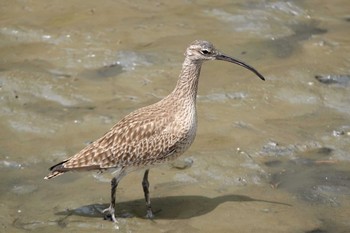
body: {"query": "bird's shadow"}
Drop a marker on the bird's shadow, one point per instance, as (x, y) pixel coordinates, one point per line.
(172, 207)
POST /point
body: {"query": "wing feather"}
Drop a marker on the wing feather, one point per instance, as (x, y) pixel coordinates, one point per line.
(141, 138)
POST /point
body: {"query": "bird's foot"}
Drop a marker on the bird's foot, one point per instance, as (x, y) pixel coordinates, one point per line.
(109, 214)
(149, 214)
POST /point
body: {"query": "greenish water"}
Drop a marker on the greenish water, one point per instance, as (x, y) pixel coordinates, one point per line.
(269, 156)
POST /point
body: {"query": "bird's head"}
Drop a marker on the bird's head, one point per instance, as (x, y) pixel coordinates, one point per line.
(201, 50)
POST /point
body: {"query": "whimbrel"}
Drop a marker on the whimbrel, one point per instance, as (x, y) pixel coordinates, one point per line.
(150, 135)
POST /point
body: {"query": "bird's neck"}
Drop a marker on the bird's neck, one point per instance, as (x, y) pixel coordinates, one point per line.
(187, 85)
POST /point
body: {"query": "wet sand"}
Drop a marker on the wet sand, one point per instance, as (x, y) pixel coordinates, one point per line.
(269, 156)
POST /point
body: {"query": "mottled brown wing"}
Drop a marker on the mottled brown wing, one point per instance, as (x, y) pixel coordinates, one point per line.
(129, 142)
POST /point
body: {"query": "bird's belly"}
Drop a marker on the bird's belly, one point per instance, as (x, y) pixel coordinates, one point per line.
(186, 140)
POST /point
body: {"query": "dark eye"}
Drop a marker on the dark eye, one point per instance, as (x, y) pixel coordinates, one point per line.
(204, 51)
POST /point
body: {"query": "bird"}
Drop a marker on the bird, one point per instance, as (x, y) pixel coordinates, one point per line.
(150, 135)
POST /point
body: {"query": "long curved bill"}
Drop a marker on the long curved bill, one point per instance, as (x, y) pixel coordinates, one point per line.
(223, 57)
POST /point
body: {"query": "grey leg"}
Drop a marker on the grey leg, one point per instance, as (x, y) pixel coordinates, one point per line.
(145, 185)
(110, 211)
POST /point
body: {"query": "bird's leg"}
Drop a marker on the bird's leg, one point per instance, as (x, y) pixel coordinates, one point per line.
(145, 185)
(110, 211)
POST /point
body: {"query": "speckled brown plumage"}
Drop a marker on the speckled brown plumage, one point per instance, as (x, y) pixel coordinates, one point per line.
(152, 134)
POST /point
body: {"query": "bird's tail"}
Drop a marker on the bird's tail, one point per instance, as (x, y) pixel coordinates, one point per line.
(56, 170)
(53, 174)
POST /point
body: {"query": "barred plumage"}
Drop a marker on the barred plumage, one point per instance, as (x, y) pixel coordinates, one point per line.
(150, 135)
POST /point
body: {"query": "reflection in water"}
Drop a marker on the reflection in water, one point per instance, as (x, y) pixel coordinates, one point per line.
(171, 207)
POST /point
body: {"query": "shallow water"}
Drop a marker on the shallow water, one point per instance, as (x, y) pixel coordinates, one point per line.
(269, 156)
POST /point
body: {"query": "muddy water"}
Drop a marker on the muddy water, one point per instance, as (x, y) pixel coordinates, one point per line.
(269, 156)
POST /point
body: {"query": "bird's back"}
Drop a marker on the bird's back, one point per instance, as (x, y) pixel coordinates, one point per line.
(147, 136)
